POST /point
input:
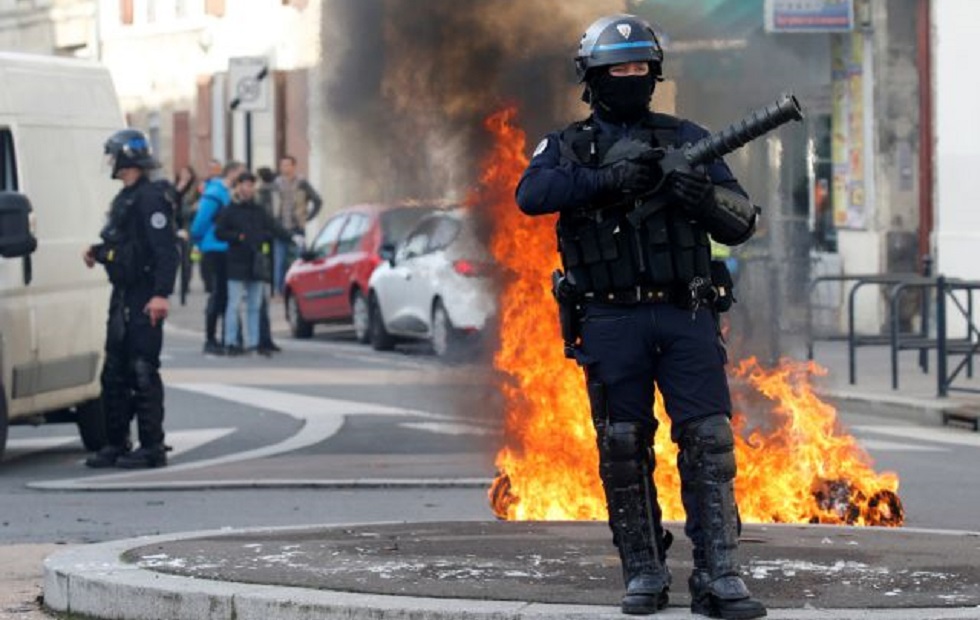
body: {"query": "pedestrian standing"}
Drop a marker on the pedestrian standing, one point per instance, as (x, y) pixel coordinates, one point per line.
(641, 288)
(298, 204)
(267, 195)
(139, 253)
(185, 185)
(249, 231)
(217, 196)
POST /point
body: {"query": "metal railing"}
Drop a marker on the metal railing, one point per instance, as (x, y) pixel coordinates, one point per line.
(899, 284)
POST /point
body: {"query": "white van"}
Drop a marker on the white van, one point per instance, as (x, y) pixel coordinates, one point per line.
(55, 115)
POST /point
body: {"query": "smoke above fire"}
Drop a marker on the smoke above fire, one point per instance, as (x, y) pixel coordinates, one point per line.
(407, 84)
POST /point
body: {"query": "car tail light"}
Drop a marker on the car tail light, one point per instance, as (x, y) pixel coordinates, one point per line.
(470, 269)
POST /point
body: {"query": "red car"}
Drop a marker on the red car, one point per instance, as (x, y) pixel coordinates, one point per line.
(328, 283)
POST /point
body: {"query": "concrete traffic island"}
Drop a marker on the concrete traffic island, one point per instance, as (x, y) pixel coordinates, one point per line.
(500, 570)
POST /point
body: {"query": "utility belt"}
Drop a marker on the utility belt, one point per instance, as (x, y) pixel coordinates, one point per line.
(122, 263)
(715, 294)
(636, 295)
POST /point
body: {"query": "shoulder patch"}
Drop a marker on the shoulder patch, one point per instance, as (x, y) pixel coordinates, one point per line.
(540, 148)
(158, 220)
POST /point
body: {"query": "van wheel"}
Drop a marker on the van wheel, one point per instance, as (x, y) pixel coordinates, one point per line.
(91, 424)
(299, 327)
(381, 340)
(361, 317)
(445, 340)
(3, 420)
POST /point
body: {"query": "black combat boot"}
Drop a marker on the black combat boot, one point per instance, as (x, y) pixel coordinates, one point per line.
(626, 468)
(115, 404)
(145, 457)
(148, 407)
(707, 468)
(108, 456)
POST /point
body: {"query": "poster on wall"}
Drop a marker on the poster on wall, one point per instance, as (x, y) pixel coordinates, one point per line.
(809, 15)
(847, 127)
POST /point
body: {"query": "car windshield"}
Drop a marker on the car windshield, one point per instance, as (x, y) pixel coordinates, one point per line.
(397, 223)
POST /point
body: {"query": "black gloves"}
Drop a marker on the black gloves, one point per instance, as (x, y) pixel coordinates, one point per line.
(692, 189)
(635, 176)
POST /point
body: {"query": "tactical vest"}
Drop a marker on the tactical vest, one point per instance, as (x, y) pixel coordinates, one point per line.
(125, 247)
(601, 250)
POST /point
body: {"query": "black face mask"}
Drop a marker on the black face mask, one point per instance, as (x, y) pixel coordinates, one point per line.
(622, 99)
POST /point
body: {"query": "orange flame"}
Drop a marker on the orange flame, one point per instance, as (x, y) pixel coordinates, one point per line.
(802, 469)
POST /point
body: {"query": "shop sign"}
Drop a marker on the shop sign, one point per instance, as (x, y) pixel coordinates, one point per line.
(809, 15)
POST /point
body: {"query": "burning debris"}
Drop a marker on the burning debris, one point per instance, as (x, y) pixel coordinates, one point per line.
(799, 467)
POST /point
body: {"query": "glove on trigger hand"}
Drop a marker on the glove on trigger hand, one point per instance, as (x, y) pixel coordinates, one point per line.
(634, 176)
(693, 189)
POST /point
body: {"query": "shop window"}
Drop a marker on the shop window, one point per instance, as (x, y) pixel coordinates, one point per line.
(821, 188)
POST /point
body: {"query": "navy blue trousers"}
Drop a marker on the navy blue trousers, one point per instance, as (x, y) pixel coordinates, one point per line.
(631, 348)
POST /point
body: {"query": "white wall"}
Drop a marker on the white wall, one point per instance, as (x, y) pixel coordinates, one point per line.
(956, 30)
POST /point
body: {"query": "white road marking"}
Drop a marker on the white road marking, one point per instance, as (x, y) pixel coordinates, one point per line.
(322, 418)
(922, 433)
(180, 441)
(38, 444)
(185, 441)
(881, 445)
(448, 428)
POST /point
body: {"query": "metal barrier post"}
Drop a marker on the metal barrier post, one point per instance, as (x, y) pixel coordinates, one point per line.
(851, 345)
(893, 297)
(941, 336)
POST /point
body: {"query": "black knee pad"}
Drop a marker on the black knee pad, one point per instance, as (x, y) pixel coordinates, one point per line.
(625, 453)
(145, 374)
(114, 370)
(708, 449)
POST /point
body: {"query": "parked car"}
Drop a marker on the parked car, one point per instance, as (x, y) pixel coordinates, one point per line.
(329, 282)
(434, 286)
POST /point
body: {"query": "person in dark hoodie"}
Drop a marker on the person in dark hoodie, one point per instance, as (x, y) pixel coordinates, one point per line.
(249, 231)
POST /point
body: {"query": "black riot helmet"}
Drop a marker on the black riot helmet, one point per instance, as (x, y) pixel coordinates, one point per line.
(616, 39)
(129, 148)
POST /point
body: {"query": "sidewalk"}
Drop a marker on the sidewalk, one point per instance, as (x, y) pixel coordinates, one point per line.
(915, 400)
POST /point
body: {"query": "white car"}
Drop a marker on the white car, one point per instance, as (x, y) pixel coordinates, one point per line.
(435, 286)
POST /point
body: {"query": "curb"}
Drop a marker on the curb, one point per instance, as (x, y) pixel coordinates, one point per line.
(81, 484)
(903, 408)
(93, 581)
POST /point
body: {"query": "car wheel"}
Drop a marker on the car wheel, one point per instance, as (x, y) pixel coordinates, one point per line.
(445, 340)
(3, 420)
(297, 325)
(361, 317)
(91, 424)
(381, 340)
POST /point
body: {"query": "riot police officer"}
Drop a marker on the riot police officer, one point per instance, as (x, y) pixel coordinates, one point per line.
(139, 253)
(636, 253)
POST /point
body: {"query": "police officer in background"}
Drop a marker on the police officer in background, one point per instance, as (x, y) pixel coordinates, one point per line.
(646, 300)
(139, 253)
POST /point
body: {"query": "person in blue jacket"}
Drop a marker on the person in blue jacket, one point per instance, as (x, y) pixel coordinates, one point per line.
(216, 196)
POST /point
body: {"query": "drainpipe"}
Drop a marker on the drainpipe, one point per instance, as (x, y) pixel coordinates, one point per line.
(924, 62)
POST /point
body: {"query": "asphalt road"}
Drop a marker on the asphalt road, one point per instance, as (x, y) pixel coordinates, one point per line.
(330, 411)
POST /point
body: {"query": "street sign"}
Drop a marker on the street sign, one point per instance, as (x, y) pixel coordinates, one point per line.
(248, 78)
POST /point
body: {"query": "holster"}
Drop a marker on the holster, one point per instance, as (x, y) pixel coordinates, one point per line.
(569, 313)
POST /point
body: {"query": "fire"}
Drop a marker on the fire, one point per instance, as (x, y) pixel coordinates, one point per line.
(801, 468)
